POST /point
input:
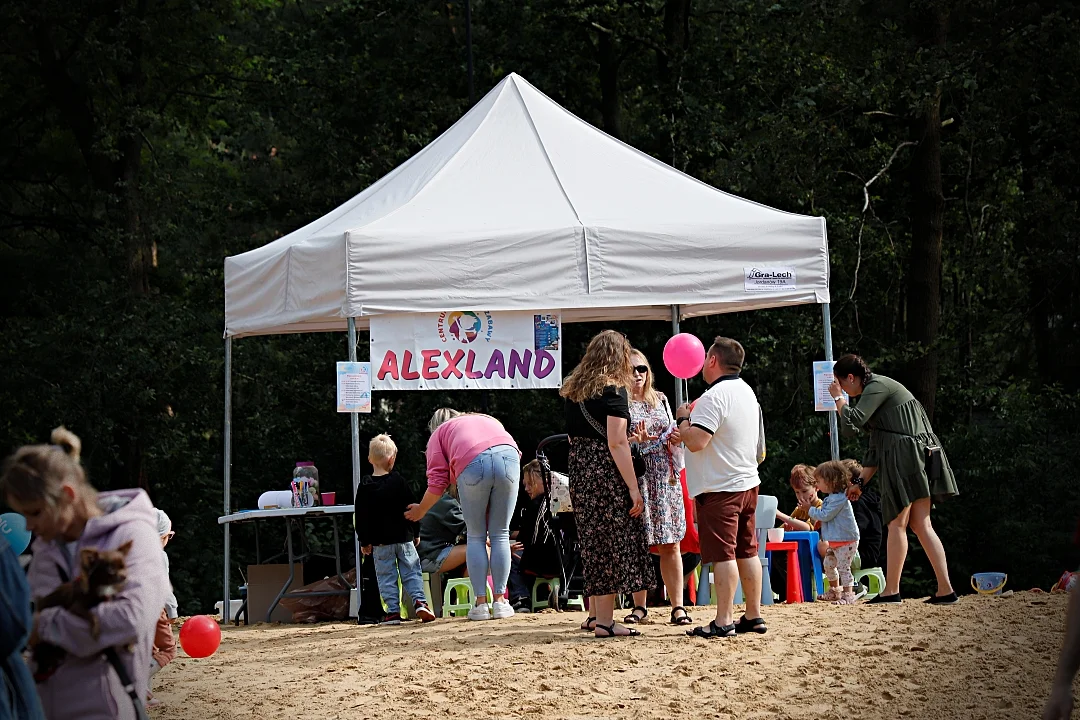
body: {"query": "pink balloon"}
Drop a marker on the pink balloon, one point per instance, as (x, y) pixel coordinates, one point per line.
(684, 356)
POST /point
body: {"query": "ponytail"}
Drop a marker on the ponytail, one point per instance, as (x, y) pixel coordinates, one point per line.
(37, 473)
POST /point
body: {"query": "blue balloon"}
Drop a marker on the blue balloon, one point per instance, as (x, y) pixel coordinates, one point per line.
(13, 528)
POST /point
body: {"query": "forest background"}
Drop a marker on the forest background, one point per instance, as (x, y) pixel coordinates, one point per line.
(143, 141)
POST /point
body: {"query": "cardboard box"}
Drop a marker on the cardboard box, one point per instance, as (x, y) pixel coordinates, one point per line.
(264, 583)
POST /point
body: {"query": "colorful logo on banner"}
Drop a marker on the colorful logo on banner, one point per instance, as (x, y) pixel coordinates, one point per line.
(466, 349)
(465, 326)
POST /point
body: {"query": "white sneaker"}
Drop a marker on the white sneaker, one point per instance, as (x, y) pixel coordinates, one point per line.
(501, 609)
(480, 612)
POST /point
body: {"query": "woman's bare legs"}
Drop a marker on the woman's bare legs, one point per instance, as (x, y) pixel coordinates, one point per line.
(931, 543)
(898, 548)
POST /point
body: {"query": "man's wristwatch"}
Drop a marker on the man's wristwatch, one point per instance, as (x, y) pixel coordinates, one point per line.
(680, 421)
(838, 399)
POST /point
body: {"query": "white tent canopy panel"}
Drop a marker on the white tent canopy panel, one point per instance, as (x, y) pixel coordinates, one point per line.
(521, 205)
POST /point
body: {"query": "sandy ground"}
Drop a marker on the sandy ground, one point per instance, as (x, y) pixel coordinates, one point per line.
(984, 658)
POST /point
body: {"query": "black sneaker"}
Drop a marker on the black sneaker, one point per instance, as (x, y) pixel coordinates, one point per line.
(886, 600)
(949, 599)
(391, 619)
(521, 605)
(423, 611)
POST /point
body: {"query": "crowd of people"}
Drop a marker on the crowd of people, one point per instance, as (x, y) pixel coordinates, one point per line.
(655, 489)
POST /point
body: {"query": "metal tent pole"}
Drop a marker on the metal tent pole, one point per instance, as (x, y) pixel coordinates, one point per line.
(226, 609)
(679, 399)
(354, 436)
(834, 429)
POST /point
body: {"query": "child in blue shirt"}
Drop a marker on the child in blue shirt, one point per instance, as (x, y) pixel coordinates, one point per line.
(837, 526)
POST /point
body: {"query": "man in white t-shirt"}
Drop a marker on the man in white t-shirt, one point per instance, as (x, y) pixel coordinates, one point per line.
(726, 438)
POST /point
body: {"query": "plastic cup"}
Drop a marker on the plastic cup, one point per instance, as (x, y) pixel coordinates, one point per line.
(328, 498)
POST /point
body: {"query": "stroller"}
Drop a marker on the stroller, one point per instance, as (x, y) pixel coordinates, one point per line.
(561, 524)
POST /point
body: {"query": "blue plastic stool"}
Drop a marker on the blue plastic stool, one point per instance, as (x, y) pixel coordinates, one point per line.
(809, 561)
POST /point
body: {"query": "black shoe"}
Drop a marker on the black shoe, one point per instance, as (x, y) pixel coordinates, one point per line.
(886, 600)
(391, 619)
(757, 625)
(521, 605)
(949, 599)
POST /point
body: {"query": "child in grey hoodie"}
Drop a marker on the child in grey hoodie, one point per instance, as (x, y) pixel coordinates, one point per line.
(47, 485)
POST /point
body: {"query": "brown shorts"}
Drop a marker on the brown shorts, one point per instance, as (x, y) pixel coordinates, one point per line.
(726, 525)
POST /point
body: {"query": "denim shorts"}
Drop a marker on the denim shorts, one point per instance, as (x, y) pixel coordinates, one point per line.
(432, 566)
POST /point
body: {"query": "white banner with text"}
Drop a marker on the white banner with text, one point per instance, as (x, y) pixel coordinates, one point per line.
(466, 349)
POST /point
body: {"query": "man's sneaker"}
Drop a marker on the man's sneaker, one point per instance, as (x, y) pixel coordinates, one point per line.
(501, 609)
(423, 611)
(391, 619)
(480, 612)
(521, 606)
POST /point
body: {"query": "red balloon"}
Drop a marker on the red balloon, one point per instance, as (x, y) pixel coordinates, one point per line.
(200, 636)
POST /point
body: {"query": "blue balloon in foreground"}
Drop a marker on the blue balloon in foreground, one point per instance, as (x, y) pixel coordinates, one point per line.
(13, 528)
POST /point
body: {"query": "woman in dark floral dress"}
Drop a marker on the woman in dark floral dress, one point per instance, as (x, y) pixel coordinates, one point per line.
(604, 489)
(657, 438)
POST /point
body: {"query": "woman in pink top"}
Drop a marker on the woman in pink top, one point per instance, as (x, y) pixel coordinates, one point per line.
(476, 453)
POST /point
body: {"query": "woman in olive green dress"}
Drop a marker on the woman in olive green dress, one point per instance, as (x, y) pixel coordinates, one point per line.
(900, 434)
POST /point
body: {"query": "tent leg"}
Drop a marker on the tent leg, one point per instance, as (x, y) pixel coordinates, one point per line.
(834, 430)
(679, 399)
(354, 438)
(226, 607)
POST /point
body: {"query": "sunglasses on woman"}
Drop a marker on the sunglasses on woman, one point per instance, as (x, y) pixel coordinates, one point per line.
(643, 369)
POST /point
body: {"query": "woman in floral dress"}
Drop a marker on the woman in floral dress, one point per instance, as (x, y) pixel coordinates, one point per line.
(604, 488)
(665, 518)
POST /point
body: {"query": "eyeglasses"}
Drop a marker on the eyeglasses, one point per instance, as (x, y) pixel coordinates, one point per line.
(643, 369)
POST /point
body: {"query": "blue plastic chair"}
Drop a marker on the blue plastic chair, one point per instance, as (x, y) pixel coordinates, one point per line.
(809, 561)
(764, 518)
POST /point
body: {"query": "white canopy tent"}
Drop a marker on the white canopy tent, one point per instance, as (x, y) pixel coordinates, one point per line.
(521, 205)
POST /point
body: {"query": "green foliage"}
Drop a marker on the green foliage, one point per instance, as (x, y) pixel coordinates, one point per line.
(145, 140)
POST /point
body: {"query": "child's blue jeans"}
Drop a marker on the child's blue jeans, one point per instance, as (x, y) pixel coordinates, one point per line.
(390, 560)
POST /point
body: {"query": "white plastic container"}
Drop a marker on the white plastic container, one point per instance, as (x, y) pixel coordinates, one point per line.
(275, 499)
(234, 607)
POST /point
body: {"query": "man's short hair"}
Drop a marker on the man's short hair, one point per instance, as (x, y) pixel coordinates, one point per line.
(729, 353)
(381, 448)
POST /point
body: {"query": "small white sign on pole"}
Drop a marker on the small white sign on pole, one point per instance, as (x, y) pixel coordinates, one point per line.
(354, 387)
(466, 349)
(823, 377)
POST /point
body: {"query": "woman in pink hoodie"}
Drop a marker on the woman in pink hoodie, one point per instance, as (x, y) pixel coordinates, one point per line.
(47, 485)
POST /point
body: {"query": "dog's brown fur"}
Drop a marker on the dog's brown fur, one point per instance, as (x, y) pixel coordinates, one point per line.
(103, 574)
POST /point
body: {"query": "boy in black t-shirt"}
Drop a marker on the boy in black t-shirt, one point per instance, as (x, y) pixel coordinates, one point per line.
(383, 531)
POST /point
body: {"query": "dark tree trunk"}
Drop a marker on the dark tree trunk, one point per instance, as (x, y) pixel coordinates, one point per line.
(927, 217)
(669, 63)
(610, 106)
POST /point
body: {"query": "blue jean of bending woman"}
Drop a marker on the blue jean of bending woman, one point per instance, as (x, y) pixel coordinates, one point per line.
(487, 490)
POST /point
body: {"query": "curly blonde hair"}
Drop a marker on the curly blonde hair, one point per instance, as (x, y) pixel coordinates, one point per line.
(36, 473)
(606, 362)
(836, 474)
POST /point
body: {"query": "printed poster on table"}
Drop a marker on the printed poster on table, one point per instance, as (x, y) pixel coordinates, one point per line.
(466, 349)
(823, 377)
(354, 387)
